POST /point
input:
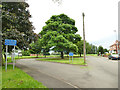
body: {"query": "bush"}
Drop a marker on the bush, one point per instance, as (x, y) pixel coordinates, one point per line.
(47, 53)
(113, 53)
(108, 54)
(25, 53)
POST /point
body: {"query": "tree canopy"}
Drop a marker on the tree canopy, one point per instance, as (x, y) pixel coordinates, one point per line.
(60, 32)
(90, 49)
(16, 24)
(36, 47)
(100, 49)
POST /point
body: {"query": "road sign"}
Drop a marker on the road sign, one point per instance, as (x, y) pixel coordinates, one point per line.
(70, 54)
(10, 42)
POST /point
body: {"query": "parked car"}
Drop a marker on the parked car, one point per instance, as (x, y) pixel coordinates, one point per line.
(114, 57)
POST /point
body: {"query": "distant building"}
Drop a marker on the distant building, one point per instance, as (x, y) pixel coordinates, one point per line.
(113, 48)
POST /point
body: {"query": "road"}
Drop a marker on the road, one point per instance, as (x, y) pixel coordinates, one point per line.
(99, 73)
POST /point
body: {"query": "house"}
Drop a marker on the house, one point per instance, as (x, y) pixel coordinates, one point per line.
(115, 48)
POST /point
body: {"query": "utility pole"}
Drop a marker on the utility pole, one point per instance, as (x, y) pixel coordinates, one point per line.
(84, 38)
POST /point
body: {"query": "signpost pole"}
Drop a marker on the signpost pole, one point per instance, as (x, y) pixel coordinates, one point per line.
(12, 43)
(71, 54)
(69, 58)
(72, 58)
(14, 58)
(6, 57)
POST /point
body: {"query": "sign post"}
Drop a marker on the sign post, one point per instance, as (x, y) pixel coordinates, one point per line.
(71, 54)
(11, 43)
(14, 58)
(6, 58)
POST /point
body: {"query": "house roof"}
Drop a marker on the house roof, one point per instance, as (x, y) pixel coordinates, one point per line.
(115, 43)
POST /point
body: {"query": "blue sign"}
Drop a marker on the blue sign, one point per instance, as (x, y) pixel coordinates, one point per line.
(70, 54)
(10, 42)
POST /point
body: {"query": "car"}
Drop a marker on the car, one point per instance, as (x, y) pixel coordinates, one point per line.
(114, 57)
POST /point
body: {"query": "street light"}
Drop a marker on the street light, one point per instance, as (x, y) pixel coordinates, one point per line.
(116, 42)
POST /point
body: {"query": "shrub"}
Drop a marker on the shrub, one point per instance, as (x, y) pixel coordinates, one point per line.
(47, 53)
(108, 54)
(26, 53)
(113, 53)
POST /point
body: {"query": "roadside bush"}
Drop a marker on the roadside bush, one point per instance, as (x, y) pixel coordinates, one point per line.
(47, 53)
(113, 53)
(26, 53)
(108, 54)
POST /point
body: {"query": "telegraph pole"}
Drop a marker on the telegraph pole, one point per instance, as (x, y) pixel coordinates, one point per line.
(84, 38)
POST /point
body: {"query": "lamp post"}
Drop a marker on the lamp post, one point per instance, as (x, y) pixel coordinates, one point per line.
(116, 42)
(84, 37)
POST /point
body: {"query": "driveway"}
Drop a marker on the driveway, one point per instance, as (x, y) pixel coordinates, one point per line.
(99, 73)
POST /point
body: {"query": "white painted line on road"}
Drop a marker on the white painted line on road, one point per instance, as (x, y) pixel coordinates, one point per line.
(59, 79)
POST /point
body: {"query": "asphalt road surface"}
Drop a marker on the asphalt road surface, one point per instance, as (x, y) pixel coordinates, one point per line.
(99, 73)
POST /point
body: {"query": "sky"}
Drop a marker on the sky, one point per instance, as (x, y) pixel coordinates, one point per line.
(101, 17)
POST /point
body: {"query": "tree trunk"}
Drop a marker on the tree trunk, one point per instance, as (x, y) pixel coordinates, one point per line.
(62, 56)
(5, 56)
(67, 54)
(1, 56)
(2, 61)
(45, 54)
(80, 54)
(37, 55)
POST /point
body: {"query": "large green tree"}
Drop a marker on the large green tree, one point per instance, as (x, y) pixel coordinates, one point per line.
(16, 24)
(101, 49)
(80, 47)
(60, 32)
(105, 50)
(90, 49)
(36, 47)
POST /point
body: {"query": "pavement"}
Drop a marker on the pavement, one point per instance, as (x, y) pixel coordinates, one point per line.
(99, 73)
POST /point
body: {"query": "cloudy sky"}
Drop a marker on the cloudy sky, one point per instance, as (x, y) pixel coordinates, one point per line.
(101, 17)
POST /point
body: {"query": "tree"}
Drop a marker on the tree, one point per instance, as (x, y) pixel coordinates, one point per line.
(16, 24)
(105, 50)
(100, 49)
(80, 47)
(90, 49)
(61, 44)
(60, 32)
(36, 47)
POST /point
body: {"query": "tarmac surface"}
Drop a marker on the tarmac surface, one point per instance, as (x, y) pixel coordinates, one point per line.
(99, 73)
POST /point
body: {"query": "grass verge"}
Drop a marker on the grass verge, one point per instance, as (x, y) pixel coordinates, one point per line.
(77, 61)
(18, 79)
(27, 57)
(91, 55)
